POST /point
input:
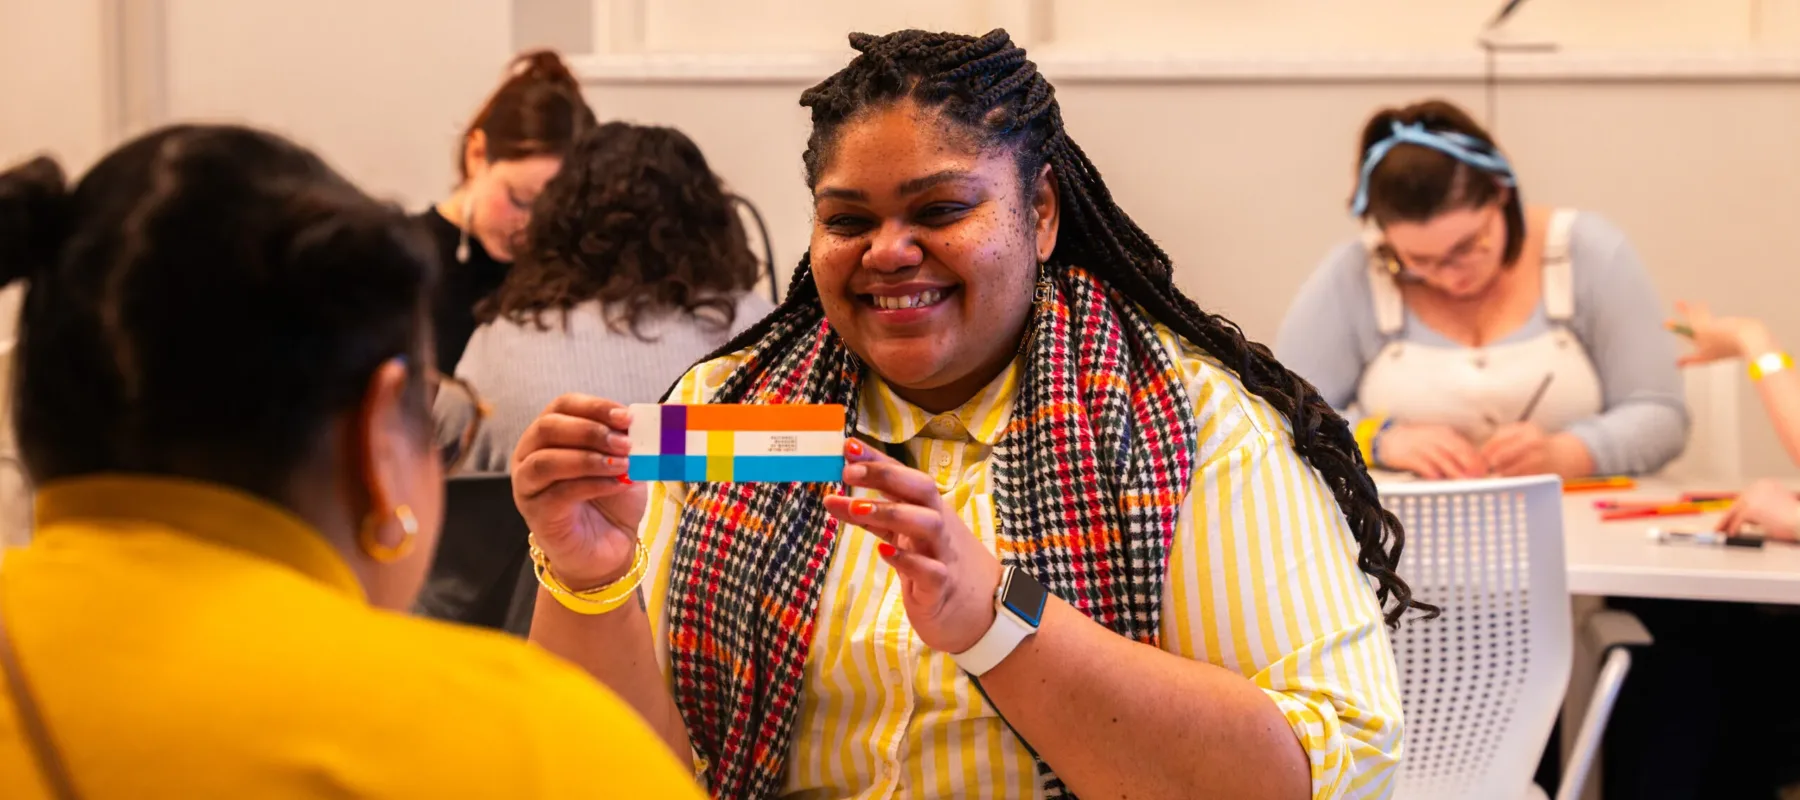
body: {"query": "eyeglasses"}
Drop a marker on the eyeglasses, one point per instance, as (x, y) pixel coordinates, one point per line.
(457, 413)
(1473, 246)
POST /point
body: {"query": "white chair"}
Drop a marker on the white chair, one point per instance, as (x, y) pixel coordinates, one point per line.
(1714, 452)
(1482, 685)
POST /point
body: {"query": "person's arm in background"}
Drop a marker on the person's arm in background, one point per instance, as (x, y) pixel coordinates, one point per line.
(1329, 332)
(1719, 338)
(1618, 317)
(1328, 337)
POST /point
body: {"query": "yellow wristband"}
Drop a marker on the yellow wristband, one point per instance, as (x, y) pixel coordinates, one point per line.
(598, 600)
(1366, 431)
(1768, 364)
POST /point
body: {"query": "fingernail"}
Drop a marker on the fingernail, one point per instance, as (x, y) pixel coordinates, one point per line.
(625, 479)
(855, 447)
(886, 550)
(862, 508)
(620, 416)
(855, 472)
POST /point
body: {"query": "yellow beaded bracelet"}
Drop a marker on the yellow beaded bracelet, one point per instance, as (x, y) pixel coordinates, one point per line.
(598, 600)
(1768, 364)
(1366, 432)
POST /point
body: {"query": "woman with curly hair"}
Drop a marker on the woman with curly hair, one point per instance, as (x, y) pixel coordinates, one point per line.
(635, 266)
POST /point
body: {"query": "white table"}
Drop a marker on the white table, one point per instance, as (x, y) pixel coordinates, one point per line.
(1617, 559)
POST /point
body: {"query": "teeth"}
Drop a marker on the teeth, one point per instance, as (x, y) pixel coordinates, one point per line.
(924, 298)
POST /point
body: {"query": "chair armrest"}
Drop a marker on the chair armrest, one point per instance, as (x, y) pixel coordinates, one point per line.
(1606, 630)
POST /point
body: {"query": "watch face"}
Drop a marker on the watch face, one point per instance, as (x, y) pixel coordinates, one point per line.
(1024, 596)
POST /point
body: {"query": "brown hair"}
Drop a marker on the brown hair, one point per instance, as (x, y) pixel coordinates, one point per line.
(637, 220)
(1414, 183)
(538, 110)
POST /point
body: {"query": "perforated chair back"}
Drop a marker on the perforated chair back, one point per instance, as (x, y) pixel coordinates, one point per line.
(1481, 685)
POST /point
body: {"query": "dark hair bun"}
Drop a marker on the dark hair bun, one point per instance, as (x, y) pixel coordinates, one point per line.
(543, 66)
(34, 201)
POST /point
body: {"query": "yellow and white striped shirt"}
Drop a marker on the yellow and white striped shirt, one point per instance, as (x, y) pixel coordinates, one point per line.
(1262, 580)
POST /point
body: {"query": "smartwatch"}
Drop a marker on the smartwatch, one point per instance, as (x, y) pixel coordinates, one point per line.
(1018, 609)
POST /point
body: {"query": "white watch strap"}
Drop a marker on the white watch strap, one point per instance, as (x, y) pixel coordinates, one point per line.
(1000, 640)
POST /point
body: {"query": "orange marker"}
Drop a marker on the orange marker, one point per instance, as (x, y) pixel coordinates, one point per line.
(1599, 484)
(1668, 510)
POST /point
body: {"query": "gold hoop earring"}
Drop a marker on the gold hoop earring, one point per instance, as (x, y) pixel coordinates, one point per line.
(370, 535)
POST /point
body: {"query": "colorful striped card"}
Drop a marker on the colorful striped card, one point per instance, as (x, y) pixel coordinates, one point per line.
(737, 443)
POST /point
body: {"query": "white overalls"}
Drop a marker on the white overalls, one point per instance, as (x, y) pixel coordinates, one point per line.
(1477, 389)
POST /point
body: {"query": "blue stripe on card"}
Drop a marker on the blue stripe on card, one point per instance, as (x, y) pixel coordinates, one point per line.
(693, 468)
(788, 469)
(744, 469)
(645, 468)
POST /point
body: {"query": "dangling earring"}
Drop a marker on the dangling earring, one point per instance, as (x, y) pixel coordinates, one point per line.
(370, 535)
(1042, 293)
(462, 243)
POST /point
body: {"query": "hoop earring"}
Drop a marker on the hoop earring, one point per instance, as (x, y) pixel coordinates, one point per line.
(370, 535)
(462, 242)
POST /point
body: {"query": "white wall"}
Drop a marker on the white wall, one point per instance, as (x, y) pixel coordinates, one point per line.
(51, 80)
(1214, 125)
(382, 88)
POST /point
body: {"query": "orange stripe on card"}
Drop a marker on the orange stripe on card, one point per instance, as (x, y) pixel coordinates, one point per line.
(745, 417)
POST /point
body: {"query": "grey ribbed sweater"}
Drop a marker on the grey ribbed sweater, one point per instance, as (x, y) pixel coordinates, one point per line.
(519, 369)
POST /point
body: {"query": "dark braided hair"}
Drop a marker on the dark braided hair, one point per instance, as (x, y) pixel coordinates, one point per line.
(999, 100)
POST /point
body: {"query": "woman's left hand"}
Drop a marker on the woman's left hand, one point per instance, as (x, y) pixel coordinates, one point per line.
(1525, 449)
(947, 577)
(1769, 505)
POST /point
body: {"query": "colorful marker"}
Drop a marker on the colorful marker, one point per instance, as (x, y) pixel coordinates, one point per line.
(1599, 484)
(1705, 538)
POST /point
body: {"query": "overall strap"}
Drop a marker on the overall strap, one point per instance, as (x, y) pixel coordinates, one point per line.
(1390, 306)
(1559, 273)
(37, 734)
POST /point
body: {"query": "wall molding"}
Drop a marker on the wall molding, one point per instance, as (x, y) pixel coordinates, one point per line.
(134, 81)
(1738, 65)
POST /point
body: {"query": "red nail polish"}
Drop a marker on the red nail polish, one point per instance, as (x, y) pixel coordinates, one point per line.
(856, 447)
(886, 550)
(625, 479)
(862, 508)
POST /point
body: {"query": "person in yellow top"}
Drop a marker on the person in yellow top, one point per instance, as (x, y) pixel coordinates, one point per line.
(1093, 541)
(223, 382)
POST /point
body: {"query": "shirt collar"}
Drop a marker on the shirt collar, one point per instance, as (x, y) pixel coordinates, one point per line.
(885, 416)
(205, 511)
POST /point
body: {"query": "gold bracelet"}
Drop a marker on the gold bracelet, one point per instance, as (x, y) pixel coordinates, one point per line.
(1768, 364)
(599, 599)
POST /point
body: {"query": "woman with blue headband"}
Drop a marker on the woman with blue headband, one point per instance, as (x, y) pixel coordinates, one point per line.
(1467, 334)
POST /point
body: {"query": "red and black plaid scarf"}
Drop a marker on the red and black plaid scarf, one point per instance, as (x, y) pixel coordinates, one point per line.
(1088, 479)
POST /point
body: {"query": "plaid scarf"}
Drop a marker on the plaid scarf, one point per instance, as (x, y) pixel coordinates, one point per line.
(1088, 478)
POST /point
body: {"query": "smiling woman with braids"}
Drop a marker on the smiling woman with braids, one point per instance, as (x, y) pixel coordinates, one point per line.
(1034, 403)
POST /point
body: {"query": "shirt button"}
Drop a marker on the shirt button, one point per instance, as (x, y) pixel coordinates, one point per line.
(943, 460)
(941, 425)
